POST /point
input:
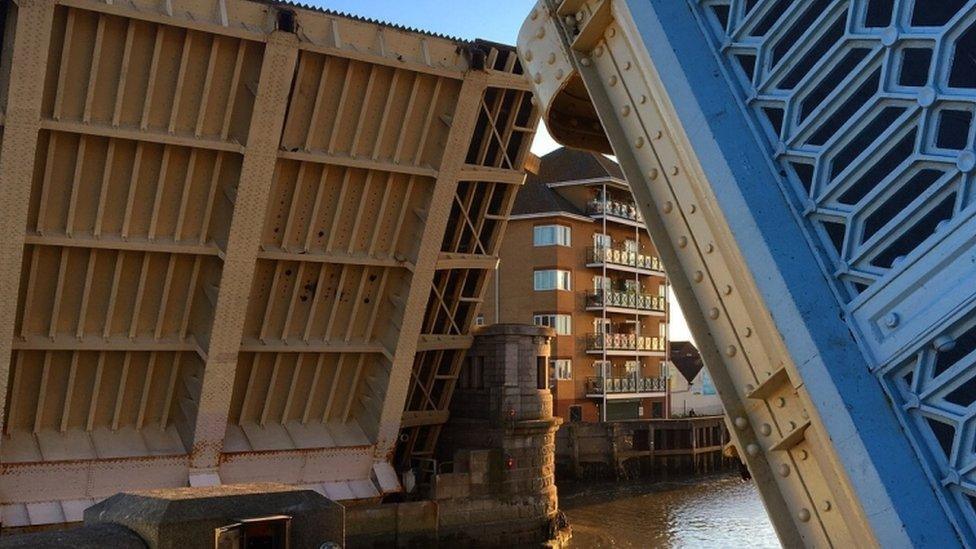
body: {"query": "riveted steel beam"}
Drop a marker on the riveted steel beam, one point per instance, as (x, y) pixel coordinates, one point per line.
(22, 117)
(636, 78)
(260, 155)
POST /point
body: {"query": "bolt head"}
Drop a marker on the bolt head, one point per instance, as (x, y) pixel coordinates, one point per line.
(966, 161)
(926, 97)
(891, 320)
(803, 515)
(944, 343)
(741, 423)
(752, 449)
(889, 36)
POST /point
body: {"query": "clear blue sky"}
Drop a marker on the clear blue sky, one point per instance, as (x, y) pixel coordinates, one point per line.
(496, 20)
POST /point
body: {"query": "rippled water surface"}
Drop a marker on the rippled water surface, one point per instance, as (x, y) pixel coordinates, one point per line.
(714, 512)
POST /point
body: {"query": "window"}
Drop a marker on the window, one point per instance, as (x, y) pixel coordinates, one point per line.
(552, 279)
(575, 414)
(542, 372)
(562, 324)
(551, 235)
(601, 325)
(563, 368)
(479, 320)
(473, 377)
(601, 240)
(657, 409)
(601, 283)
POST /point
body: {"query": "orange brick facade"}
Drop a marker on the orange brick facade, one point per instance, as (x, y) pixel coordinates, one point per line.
(512, 298)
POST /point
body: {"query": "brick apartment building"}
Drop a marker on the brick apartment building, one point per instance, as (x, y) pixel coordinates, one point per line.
(576, 257)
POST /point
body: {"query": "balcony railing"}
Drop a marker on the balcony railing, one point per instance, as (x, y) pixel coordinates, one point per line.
(624, 258)
(622, 385)
(624, 342)
(625, 210)
(624, 300)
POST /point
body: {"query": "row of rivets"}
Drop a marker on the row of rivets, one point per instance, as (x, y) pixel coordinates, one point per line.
(741, 423)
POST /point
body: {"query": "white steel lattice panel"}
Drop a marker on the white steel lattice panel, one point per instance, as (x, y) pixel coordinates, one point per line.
(866, 108)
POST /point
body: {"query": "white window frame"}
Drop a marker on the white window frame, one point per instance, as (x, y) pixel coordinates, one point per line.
(551, 235)
(562, 368)
(561, 323)
(607, 283)
(552, 279)
(601, 240)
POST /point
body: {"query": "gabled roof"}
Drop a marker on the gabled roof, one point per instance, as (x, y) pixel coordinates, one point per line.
(559, 166)
(536, 197)
(686, 358)
(565, 164)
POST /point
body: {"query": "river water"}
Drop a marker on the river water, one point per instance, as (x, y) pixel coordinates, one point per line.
(721, 511)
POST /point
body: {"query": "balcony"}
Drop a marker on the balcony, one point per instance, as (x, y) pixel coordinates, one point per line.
(624, 345)
(622, 260)
(625, 387)
(620, 212)
(617, 301)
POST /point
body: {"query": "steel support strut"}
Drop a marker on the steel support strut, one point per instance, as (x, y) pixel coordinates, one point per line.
(637, 78)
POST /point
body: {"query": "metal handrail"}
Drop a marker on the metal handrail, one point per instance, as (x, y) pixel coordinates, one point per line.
(616, 208)
(620, 256)
(625, 299)
(624, 342)
(625, 384)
